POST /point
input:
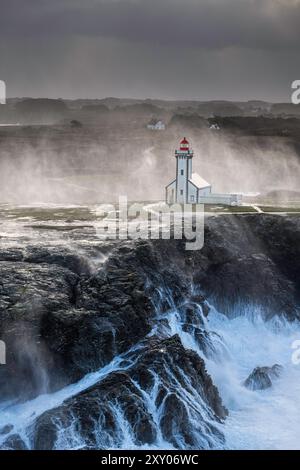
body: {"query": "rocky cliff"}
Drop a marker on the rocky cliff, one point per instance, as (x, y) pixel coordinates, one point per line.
(63, 316)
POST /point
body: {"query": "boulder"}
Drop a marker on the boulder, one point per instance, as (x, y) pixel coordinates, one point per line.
(137, 404)
(261, 377)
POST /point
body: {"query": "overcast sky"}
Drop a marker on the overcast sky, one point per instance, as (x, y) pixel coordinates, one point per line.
(172, 49)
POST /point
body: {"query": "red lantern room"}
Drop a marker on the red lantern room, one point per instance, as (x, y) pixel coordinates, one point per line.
(184, 145)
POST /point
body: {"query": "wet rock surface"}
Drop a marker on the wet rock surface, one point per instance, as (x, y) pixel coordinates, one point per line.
(29, 294)
(161, 369)
(70, 308)
(262, 378)
(59, 323)
(250, 260)
(14, 442)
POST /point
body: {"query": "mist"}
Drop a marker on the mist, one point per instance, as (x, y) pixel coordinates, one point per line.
(83, 168)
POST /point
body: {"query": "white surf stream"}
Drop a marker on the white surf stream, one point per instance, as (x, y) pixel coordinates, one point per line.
(268, 419)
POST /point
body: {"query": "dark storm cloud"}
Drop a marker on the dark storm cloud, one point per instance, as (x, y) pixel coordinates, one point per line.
(175, 49)
(258, 24)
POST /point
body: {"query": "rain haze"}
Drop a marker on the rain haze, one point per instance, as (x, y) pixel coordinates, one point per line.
(188, 63)
(207, 49)
(172, 323)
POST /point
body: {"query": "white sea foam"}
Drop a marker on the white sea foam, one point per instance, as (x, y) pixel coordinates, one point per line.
(268, 419)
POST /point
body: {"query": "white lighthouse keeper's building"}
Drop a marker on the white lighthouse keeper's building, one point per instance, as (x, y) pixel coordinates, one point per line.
(189, 187)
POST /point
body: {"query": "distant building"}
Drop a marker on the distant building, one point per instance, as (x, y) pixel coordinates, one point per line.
(156, 125)
(215, 127)
(189, 187)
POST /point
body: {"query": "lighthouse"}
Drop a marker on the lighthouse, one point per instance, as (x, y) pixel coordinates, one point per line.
(184, 160)
(186, 186)
(191, 188)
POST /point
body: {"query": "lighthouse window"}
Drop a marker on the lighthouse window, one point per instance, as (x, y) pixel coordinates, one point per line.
(182, 172)
(181, 192)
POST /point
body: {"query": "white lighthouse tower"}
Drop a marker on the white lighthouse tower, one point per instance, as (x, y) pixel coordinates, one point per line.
(185, 188)
(183, 170)
(189, 187)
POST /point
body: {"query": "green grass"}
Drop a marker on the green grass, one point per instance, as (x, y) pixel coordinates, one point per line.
(85, 214)
(279, 209)
(228, 209)
(71, 214)
(59, 228)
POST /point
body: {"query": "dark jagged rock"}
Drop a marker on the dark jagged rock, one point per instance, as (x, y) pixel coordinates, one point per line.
(62, 316)
(59, 325)
(14, 442)
(261, 377)
(6, 429)
(62, 256)
(194, 311)
(28, 294)
(121, 396)
(94, 409)
(204, 339)
(250, 261)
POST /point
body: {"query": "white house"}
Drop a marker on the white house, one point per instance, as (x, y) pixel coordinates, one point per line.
(215, 127)
(189, 187)
(156, 125)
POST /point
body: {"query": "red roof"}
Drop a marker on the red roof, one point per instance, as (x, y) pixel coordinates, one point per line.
(184, 141)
